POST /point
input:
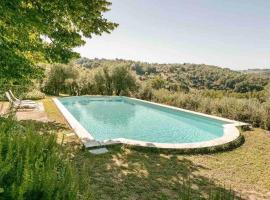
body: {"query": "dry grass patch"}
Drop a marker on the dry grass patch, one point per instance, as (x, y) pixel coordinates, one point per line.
(52, 111)
(65, 134)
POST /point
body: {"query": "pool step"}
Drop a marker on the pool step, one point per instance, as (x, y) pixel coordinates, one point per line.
(92, 144)
(101, 150)
(95, 147)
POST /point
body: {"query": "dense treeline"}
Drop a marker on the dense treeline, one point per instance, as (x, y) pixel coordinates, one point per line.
(197, 76)
(73, 80)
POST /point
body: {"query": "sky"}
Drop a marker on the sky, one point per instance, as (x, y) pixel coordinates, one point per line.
(226, 33)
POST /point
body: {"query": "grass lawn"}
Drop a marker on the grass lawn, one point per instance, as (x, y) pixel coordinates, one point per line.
(129, 174)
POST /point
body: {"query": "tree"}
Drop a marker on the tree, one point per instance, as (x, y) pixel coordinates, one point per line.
(122, 80)
(99, 83)
(108, 82)
(33, 31)
(59, 78)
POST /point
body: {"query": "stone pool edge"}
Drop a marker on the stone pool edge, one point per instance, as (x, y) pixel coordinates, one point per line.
(231, 132)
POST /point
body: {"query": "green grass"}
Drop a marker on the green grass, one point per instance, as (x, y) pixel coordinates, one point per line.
(128, 174)
(125, 173)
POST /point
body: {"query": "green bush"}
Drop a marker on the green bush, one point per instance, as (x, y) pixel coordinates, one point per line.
(34, 94)
(73, 80)
(33, 165)
(18, 90)
(158, 83)
(247, 110)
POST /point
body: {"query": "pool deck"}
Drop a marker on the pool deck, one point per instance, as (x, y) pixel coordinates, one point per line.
(231, 131)
(37, 114)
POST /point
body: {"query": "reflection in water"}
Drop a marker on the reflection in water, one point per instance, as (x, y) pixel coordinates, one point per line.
(115, 113)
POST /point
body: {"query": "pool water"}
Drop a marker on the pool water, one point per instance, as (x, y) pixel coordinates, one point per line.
(108, 118)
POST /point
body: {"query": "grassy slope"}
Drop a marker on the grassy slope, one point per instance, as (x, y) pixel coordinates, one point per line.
(123, 173)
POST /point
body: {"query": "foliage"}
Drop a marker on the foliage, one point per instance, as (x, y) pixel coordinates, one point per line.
(33, 165)
(187, 76)
(246, 87)
(143, 69)
(34, 94)
(158, 83)
(122, 81)
(18, 90)
(247, 110)
(60, 77)
(29, 91)
(34, 31)
(145, 92)
(73, 80)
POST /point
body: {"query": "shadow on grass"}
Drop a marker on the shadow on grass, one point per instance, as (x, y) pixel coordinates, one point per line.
(44, 126)
(127, 174)
(124, 173)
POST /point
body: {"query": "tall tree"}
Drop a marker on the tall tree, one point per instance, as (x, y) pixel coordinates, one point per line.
(123, 81)
(32, 31)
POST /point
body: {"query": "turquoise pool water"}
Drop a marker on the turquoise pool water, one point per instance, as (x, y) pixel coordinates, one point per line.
(121, 117)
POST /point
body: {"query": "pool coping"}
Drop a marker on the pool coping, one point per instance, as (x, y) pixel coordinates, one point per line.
(231, 132)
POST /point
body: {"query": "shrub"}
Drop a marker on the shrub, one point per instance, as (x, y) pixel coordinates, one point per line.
(18, 90)
(158, 83)
(145, 92)
(247, 110)
(32, 165)
(34, 94)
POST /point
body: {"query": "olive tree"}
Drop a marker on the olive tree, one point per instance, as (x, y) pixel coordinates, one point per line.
(33, 31)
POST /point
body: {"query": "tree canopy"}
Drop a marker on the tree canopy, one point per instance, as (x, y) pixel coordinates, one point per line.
(184, 76)
(33, 31)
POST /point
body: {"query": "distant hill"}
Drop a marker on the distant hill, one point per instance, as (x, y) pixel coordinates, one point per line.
(198, 76)
(261, 72)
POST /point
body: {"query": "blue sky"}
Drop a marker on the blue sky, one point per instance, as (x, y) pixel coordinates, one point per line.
(227, 33)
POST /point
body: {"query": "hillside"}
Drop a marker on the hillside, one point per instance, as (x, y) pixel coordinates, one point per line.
(260, 72)
(186, 75)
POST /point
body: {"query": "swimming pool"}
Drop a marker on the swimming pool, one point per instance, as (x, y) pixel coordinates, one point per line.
(113, 119)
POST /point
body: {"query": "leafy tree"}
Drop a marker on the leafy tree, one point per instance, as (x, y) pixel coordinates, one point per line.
(138, 68)
(122, 80)
(59, 77)
(35, 31)
(246, 87)
(108, 82)
(99, 83)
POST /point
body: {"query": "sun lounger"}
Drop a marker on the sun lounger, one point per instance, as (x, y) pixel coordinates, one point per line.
(20, 105)
(18, 100)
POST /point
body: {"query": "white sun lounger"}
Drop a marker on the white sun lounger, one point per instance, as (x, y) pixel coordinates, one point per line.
(18, 100)
(20, 105)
